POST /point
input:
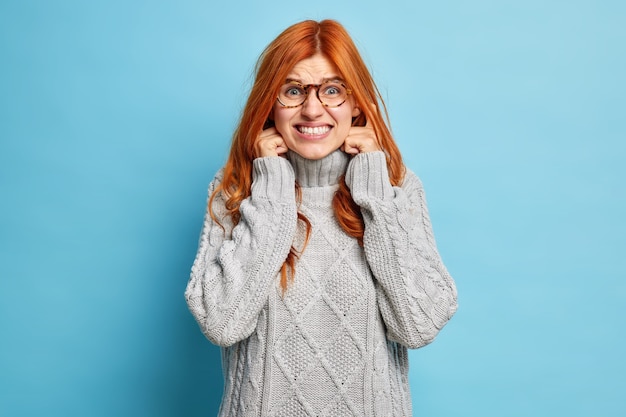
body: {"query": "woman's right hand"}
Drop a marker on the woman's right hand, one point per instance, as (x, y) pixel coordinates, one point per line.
(270, 143)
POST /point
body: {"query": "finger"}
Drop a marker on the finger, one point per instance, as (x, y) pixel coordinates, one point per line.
(281, 148)
(273, 146)
(350, 149)
(270, 143)
(361, 140)
(353, 145)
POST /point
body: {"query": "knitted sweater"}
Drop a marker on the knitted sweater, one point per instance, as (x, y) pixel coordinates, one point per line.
(335, 343)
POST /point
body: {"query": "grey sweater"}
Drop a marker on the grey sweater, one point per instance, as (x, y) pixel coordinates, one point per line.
(335, 344)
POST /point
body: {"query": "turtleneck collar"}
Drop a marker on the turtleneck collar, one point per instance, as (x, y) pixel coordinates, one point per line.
(321, 172)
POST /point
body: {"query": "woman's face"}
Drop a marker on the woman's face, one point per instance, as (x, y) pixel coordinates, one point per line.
(313, 130)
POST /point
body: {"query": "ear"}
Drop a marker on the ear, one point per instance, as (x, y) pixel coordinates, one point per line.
(269, 122)
(356, 111)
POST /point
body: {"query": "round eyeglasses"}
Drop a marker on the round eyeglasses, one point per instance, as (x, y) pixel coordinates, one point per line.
(330, 93)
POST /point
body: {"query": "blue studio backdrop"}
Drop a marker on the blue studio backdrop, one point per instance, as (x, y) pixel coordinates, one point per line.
(115, 115)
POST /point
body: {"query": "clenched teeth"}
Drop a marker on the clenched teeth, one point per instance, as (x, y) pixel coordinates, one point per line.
(317, 130)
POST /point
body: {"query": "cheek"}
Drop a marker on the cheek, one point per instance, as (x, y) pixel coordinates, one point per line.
(344, 118)
(281, 119)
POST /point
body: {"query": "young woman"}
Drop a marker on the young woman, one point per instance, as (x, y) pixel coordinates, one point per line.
(317, 267)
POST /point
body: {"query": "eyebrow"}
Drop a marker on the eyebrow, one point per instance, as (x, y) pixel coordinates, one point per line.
(324, 80)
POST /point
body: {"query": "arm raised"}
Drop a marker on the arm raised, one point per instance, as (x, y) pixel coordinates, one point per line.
(235, 267)
(416, 295)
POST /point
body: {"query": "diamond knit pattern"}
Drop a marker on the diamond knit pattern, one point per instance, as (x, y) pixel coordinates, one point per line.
(327, 353)
(334, 344)
(344, 289)
(292, 408)
(294, 354)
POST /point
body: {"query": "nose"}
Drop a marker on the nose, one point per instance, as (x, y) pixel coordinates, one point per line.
(312, 108)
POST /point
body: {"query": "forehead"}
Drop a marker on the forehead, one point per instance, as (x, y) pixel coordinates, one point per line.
(313, 70)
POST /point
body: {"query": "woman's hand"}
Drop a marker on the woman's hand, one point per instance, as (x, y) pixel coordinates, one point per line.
(270, 143)
(361, 139)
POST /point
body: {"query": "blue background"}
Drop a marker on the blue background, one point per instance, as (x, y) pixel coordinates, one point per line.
(114, 116)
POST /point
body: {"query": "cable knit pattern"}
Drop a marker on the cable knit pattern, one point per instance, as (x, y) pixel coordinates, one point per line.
(416, 295)
(335, 344)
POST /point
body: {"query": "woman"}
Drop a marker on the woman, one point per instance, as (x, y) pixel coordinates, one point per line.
(317, 267)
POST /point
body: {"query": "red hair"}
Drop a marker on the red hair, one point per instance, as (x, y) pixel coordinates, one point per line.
(300, 41)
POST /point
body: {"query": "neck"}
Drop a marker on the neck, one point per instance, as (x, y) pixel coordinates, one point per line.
(320, 172)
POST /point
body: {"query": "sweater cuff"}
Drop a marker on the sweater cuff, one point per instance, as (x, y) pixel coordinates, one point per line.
(273, 179)
(367, 177)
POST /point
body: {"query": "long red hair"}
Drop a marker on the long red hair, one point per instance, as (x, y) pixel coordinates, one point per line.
(300, 41)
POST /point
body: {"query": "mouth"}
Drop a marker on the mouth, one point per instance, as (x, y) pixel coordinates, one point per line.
(313, 130)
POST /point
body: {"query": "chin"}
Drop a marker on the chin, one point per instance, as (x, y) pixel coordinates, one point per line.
(314, 154)
(315, 151)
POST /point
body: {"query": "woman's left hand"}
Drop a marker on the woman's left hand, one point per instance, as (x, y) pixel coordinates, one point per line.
(361, 139)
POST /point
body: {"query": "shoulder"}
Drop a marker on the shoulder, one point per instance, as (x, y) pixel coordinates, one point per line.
(216, 182)
(411, 181)
(215, 190)
(218, 177)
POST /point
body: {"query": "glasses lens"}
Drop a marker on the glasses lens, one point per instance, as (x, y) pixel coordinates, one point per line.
(292, 94)
(332, 93)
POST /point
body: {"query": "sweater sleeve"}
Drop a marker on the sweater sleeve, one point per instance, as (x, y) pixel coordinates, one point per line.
(235, 267)
(416, 295)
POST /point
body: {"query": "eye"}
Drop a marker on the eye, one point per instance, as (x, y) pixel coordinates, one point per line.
(293, 91)
(332, 90)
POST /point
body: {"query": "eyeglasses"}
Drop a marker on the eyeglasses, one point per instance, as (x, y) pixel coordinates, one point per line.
(330, 94)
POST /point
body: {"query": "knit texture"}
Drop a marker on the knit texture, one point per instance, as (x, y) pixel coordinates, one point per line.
(335, 343)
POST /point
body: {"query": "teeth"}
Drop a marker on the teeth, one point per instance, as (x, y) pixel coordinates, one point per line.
(318, 130)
